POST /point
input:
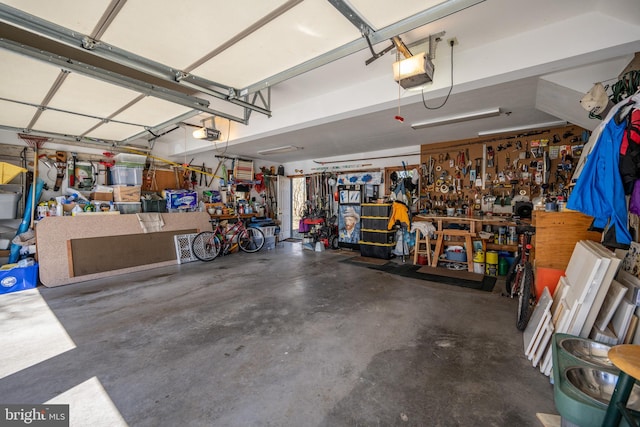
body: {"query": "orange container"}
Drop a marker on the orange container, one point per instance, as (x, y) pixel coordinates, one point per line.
(546, 277)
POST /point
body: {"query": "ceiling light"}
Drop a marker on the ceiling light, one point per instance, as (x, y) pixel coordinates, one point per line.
(278, 150)
(492, 112)
(208, 131)
(413, 71)
(523, 128)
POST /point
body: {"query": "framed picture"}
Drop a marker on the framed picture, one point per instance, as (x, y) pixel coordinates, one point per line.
(349, 224)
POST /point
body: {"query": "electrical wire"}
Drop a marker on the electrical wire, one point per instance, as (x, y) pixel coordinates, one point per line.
(424, 102)
(226, 143)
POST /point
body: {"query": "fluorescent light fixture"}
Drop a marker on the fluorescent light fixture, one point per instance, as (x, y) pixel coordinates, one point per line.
(474, 115)
(278, 150)
(523, 128)
(413, 71)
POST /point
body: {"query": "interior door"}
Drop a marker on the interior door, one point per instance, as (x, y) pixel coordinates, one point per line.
(284, 206)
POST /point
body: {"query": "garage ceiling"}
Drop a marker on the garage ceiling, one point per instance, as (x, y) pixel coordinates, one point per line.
(176, 65)
(125, 72)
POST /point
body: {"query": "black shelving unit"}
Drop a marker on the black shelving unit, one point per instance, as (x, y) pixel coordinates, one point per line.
(376, 240)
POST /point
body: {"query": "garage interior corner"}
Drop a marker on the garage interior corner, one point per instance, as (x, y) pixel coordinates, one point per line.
(293, 337)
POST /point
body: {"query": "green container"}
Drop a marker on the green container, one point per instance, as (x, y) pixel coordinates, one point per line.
(503, 266)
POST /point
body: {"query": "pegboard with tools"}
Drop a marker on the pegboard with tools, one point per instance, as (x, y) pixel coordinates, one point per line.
(488, 174)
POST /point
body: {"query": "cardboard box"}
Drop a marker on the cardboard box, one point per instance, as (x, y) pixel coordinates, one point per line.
(18, 279)
(181, 199)
(103, 197)
(126, 193)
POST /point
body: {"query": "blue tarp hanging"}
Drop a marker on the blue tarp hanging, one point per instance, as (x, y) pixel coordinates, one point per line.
(14, 255)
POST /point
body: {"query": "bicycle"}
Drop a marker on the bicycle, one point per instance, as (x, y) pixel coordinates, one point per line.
(207, 245)
(519, 279)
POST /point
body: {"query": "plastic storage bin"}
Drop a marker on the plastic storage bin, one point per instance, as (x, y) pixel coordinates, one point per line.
(376, 250)
(270, 242)
(378, 236)
(458, 256)
(154, 205)
(269, 231)
(128, 207)
(374, 223)
(18, 279)
(125, 175)
(130, 160)
(376, 209)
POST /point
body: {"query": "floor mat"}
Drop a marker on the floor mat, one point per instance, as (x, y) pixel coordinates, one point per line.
(293, 240)
(464, 279)
(369, 260)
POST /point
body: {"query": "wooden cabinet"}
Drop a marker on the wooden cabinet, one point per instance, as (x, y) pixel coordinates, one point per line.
(557, 234)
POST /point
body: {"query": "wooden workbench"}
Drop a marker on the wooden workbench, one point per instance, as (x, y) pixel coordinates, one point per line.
(471, 225)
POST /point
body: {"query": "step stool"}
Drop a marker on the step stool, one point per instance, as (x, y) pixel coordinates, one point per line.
(422, 239)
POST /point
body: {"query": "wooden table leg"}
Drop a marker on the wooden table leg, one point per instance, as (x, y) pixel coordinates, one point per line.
(438, 250)
(469, 245)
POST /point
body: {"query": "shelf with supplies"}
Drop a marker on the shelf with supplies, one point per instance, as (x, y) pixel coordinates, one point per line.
(467, 230)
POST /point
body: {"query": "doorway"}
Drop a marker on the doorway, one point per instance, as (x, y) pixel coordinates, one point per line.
(298, 204)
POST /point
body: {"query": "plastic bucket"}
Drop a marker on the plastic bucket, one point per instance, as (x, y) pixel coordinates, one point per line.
(478, 267)
(492, 257)
(478, 257)
(503, 267)
(491, 265)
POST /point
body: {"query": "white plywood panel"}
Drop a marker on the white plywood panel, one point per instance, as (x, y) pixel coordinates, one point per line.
(541, 314)
(81, 16)
(611, 301)
(581, 271)
(543, 344)
(81, 94)
(382, 14)
(151, 111)
(25, 79)
(114, 131)
(178, 34)
(601, 291)
(69, 124)
(532, 346)
(547, 362)
(16, 115)
(308, 30)
(590, 294)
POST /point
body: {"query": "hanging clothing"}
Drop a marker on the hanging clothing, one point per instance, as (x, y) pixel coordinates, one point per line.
(599, 191)
(400, 213)
(629, 164)
(595, 135)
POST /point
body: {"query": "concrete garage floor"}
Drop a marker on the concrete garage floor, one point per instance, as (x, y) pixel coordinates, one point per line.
(286, 337)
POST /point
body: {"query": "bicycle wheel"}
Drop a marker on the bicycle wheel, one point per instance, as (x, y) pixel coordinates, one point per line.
(251, 239)
(206, 246)
(526, 298)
